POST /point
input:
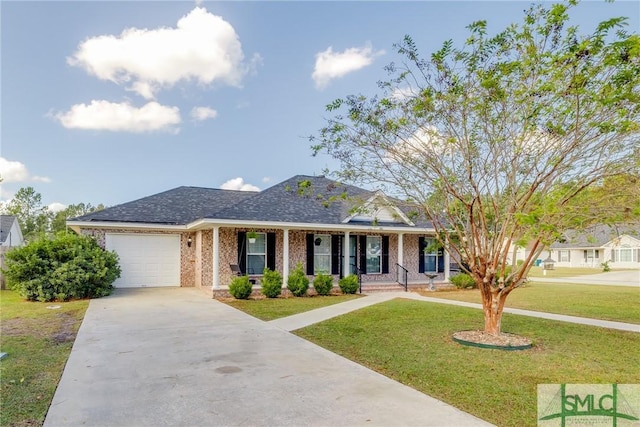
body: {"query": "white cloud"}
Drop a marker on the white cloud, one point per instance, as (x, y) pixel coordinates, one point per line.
(333, 65)
(123, 117)
(14, 171)
(202, 47)
(238, 184)
(203, 113)
(424, 142)
(401, 94)
(266, 179)
(56, 207)
(6, 195)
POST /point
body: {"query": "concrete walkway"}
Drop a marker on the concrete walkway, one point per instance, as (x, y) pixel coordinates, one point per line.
(173, 357)
(302, 320)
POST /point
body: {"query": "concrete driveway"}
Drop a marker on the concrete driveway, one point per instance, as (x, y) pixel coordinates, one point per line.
(612, 278)
(173, 357)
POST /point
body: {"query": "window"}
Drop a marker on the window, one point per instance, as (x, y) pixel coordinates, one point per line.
(257, 254)
(563, 255)
(321, 253)
(431, 255)
(373, 251)
(625, 255)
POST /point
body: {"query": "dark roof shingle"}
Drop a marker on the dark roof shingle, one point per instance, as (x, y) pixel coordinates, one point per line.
(300, 199)
(177, 206)
(595, 236)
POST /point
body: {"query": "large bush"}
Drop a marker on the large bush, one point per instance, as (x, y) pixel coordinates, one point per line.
(298, 282)
(323, 283)
(349, 284)
(240, 287)
(271, 283)
(462, 281)
(65, 267)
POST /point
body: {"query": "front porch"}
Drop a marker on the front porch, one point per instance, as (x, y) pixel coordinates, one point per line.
(383, 256)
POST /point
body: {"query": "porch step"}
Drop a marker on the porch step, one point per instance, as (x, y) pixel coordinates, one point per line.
(388, 287)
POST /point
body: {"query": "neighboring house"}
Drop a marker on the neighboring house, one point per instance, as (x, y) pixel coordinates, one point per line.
(10, 233)
(10, 236)
(191, 236)
(618, 245)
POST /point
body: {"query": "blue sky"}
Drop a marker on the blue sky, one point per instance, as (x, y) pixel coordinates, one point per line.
(107, 102)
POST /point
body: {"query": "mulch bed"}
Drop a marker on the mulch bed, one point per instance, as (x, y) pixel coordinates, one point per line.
(504, 339)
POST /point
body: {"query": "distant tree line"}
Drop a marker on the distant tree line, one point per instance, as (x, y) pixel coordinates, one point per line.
(36, 219)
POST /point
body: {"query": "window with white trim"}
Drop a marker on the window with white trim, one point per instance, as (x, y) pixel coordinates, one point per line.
(321, 253)
(626, 254)
(374, 254)
(257, 254)
(564, 255)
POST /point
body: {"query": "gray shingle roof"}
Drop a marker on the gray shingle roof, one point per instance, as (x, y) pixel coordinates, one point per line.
(177, 206)
(6, 221)
(301, 199)
(595, 237)
(306, 199)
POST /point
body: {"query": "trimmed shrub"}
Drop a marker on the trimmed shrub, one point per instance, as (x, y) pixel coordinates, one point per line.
(298, 282)
(323, 283)
(349, 284)
(271, 283)
(240, 287)
(462, 281)
(68, 266)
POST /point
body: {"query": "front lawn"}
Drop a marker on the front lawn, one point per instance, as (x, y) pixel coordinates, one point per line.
(559, 272)
(274, 308)
(410, 341)
(38, 341)
(617, 303)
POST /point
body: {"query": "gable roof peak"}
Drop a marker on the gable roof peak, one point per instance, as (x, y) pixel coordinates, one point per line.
(379, 208)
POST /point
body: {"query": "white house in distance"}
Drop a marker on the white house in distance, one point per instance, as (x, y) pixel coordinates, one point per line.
(617, 245)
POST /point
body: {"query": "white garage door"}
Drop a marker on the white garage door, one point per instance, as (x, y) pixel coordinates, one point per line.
(146, 259)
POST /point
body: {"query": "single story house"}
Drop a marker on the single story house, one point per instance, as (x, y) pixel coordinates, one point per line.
(617, 245)
(191, 236)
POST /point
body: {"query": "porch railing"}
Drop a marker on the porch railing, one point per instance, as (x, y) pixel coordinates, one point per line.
(402, 276)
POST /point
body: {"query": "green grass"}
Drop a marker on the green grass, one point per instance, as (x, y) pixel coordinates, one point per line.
(38, 341)
(274, 308)
(560, 272)
(617, 303)
(410, 341)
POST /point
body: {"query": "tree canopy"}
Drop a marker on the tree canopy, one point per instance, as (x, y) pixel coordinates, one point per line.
(501, 140)
(37, 220)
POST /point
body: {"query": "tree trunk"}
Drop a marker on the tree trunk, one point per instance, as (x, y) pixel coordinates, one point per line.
(493, 305)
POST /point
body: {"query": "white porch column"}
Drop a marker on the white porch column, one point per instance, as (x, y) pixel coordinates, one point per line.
(198, 263)
(216, 257)
(401, 249)
(346, 268)
(447, 261)
(285, 257)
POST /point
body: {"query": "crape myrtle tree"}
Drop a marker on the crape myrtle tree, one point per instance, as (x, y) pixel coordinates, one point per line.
(497, 140)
